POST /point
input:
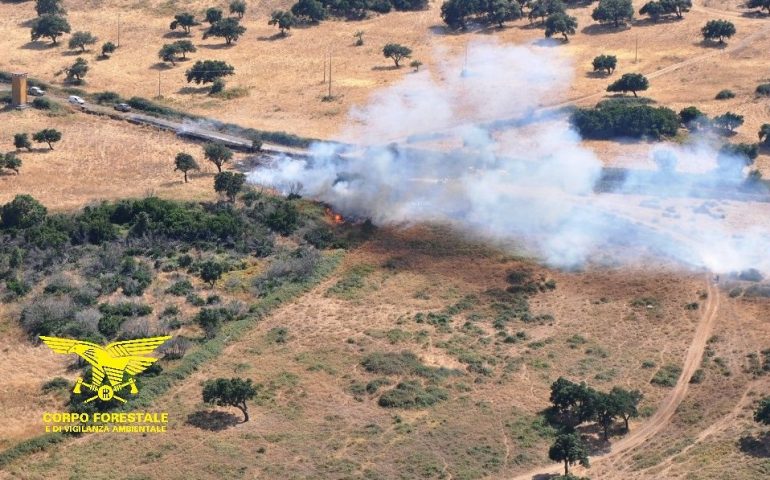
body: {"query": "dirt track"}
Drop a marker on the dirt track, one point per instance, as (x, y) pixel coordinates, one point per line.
(669, 405)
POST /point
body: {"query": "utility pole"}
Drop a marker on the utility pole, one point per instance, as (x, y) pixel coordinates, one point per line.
(636, 50)
(118, 30)
(158, 83)
(324, 69)
(330, 75)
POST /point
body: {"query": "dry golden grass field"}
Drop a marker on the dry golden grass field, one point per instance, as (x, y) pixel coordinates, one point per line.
(315, 418)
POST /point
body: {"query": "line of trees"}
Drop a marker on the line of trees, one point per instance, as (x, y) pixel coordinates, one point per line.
(573, 404)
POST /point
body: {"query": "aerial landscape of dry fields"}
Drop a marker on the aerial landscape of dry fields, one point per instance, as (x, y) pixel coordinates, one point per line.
(385, 239)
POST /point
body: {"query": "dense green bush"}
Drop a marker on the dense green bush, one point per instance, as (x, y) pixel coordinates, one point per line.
(22, 212)
(725, 94)
(611, 119)
(42, 103)
(411, 394)
(763, 89)
(180, 288)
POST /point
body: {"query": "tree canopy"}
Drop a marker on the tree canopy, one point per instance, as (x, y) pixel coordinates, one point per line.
(607, 63)
(77, 71)
(47, 135)
(229, 184)
(284, 20)
(234, 392)
(229, 28)
(21, 140)
(49, 26)
(81, 40)
(184, 162)
(630, 82)
(238, 7)
(396, 52)
(23, 211)
(560, 23)
(729, 121)
(49, 7)
(309, 10)
(217, 154)
(185, 20)
(762, 413)
(108, 48)
(570, 449)
(718, 30)
(207, 71)
(616, 12)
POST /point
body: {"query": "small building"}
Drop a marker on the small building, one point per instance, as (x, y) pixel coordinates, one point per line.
(19, 90)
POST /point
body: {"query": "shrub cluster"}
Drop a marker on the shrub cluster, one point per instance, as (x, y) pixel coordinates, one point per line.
(612, 118)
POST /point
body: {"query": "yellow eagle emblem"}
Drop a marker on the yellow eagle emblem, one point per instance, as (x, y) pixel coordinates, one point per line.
(112, 361)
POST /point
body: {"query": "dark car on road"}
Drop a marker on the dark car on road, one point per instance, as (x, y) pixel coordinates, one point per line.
(123, 107)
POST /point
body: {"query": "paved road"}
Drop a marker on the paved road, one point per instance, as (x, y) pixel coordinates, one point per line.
(187, 128)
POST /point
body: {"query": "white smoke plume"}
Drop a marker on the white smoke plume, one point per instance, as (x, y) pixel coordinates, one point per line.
(533, 182)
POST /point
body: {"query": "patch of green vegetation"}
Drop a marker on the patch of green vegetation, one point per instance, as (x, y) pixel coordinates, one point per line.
(667, 375)
(411, 394)
(402, 363)
(352, 282)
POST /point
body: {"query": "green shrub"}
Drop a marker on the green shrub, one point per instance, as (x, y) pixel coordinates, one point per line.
(666, 376)
(725, 94)
(55, 383)
(411, 394)
(763, 89)
(42, 103)
(107, 97)
(125, 309)
(611, 119)
(180, 288)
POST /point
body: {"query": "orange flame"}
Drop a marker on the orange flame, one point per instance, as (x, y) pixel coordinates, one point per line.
(336, 218)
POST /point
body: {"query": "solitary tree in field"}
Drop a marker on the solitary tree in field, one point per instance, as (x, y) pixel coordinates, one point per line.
(570, 449)
(49, 26)
(81, 40)
(729, 121)
(616, 12)
(49, 7)
(230, 29)
(234, 392)
(283, 20)
(184, 20)
(416, 64)
(213, 15)
(77, 71)
(217, 154)
(211, 271)
(238, 7)
(630, 82)
(11, 161)
(184, 47)
(762, 413)
(168, 53)
(229, 184)
(718, 30)
(21, 140)
(184, 162)
(396, 52)
(359, 36)
(760, 4)
(108, 48)
(47, 135)
(764, 133)
(560, 23)
(606, 63)
(208, 71)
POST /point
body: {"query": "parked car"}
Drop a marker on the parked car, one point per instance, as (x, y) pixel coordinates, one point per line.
(123, 107)
(36, 91)
(74, 99)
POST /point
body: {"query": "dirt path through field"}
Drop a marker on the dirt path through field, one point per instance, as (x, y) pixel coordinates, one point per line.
(669, 405)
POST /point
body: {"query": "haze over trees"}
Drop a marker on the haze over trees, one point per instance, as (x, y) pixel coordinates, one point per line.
(49, 26)
(615, 12)
(718, 30)
(396, 52)
(630, 82)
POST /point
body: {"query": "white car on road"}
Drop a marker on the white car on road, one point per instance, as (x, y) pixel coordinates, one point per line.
(74, 99)
(36, 91)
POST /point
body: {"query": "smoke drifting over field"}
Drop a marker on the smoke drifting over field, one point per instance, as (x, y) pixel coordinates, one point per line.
(532, 183)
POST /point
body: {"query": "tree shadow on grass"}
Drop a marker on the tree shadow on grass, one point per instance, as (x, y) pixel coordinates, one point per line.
(38, 45)
(176, 34)
(710, 44)
(381, 68)
(162, 66)
(272, 38)
(212, 420)
(756, 446)
(602, 29)
(193, 90)
(217, 46)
